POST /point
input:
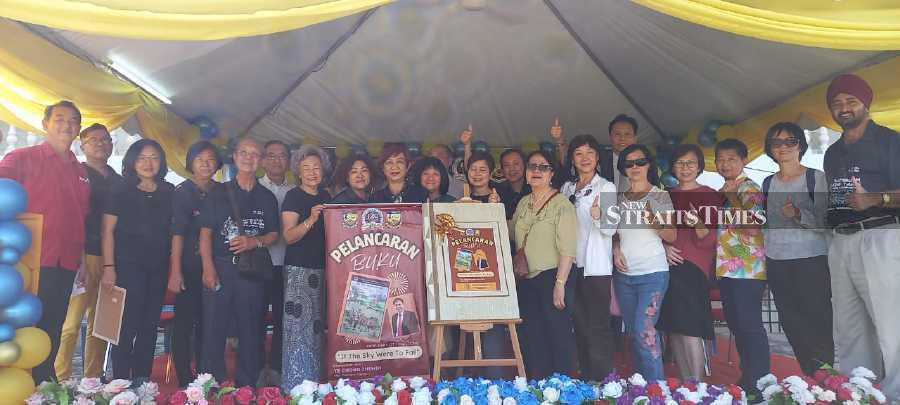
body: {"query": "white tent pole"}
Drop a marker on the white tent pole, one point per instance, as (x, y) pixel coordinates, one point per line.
(312, 69)
(602, 67)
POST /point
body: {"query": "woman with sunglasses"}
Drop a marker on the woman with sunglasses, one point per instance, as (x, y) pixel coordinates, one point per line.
(686, 311)
(797, 248)
(640, 258)
(544, 223)
(354, 175)
(430, 175)
(592, 196)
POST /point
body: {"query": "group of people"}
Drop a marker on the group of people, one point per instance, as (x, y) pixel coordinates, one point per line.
(593, 224)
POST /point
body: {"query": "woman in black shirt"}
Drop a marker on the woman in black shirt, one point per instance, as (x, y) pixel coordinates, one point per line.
(429, 175)
(135, 244)
(394, 163)
(203, 161)
(303, 229)
(354, 175)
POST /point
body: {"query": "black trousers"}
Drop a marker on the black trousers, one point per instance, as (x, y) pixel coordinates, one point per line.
(274, 296)
(54, 290)
(550, 341)
(187, 325)
(593, 332)
(145, 286)
(802, 291)
(240, 299)
(742, 304)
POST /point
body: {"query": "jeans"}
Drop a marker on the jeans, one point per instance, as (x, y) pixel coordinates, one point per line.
(640, 298)
(742, 303)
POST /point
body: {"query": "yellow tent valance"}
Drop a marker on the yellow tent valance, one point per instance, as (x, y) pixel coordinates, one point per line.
(885, 109)
(181, 19)
(857, 24)
(35, 73)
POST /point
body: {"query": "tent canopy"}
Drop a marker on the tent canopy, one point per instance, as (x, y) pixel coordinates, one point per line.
(421, 70)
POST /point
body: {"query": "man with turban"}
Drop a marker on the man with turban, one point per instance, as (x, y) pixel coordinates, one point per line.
(863, 173)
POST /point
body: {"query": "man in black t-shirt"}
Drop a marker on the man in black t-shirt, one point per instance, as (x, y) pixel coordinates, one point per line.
(863, 174)
(227, 293)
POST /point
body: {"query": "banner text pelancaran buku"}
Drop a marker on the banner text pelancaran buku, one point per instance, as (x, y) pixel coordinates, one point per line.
(375, 279)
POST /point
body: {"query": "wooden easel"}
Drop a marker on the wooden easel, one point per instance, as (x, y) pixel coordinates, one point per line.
(476, 328)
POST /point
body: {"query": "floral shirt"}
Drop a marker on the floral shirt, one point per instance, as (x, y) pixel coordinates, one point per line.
(739, 253)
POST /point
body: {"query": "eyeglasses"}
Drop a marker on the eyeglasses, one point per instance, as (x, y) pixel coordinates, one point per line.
(688, 164)
(274, 157)
(246, 154)
(534, 167)
(790, 142)
(580, 193)
(636, 162)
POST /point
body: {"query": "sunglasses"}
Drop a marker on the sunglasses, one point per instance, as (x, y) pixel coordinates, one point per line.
(534, 167)
(578, 194)
(790, 142)
(637, 162)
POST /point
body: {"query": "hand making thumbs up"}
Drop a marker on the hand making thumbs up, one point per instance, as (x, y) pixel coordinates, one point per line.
(466, 136)
(596, 212)
(556, 131)
(494, 197)
(861, 199)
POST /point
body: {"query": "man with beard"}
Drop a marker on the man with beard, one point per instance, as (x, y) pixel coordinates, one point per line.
(863, 174)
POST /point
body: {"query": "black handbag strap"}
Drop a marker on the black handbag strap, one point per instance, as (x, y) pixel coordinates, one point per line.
(235, 211)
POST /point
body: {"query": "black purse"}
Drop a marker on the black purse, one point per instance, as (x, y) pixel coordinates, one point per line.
(257, 262)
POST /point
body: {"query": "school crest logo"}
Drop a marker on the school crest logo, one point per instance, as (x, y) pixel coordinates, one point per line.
(372, 218)
(394, 219)
(350, 219)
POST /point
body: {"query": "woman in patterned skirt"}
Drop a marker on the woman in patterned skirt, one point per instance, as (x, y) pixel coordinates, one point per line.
(304, 230)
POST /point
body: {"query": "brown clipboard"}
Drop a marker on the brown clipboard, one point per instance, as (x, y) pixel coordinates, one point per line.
(108, 315)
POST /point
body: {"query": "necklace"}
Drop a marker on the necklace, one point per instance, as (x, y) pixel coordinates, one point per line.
(534, 201)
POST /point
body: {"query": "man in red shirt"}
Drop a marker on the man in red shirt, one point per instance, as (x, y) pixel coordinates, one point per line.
(58, 188)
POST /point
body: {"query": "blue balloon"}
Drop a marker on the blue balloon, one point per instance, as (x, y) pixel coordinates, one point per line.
(459, 149)
(480, 146)
(713, 126)
(15, 235)
(414, 149)
(663, 161)
(26, 311)
(208, 128)
(9, 256)
(13, 199)
(548, 147)
(10, 285)
(707, 139)
(668, 180)
(7, 332)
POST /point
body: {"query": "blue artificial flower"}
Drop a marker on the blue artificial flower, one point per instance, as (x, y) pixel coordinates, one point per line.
(572, 396)
(526, 398)
(450, 400)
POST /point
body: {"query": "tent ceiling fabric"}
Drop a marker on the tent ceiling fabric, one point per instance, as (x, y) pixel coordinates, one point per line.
(421, 70)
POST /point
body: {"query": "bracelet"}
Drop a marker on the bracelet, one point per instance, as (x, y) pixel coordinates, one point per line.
(108, 265)
(307, 226)
(559, 281)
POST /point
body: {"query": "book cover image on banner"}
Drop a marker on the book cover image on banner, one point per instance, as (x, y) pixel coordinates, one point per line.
(375, 280)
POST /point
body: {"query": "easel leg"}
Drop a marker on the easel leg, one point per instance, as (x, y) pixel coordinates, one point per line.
(517, 351)
(461, 354)
(438, 352)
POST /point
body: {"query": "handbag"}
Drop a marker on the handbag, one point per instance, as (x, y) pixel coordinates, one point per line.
(254, 263)
(520, 261)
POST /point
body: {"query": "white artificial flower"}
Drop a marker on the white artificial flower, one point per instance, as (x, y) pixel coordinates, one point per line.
(422, 396)
(521, 384)
(550, 395)
(304, 400)
(861, 382)
(417, 382)
(398, 385)
(694, 397)
(509, 401)
(878, 396)
(494, 401)
(683, 391)
(851, 403)
(816, 390)
(345, 392)
(612, 390)
(304, 389)
(202, 379)
(855, 395)
(90, 386)
(803, 396)
(69, 384)
(671, 402)
(116, 386)
(466, 400)
(493, 391)
(724, 398)
(35, 399)
(194, 394)
(637, 379)
(203, 402)
(555, 381)
(82, 400)
(828, 396)
(702, 389)
(324, 389)
(765, 381)
(770, 391)
(340, 383)
(795, 381)
(148, 390)
(862, 372)
(545, 403)
(124, 398)
(391, 400)
(443, 393)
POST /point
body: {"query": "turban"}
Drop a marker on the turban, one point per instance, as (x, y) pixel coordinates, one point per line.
(852, 85)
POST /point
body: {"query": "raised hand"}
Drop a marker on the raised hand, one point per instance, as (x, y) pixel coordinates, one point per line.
(494, 197)
(466, 136)
(556, 131)
(699, 224)
(596, 212)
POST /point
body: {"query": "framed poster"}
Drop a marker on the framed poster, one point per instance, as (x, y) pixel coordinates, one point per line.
(469, 259)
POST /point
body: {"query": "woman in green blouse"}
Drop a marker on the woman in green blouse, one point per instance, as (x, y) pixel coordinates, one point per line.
(545, 226)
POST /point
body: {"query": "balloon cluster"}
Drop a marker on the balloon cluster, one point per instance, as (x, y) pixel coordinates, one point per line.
(22, 346)
(707, 137)
(664, 160)
(208, 128)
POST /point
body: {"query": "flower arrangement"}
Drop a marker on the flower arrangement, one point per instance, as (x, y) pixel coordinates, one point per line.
(635, 390)
(827, 386)
(92, 391)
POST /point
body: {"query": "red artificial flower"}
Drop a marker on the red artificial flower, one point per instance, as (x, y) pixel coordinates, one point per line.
(244, 395)
(268, 394)
(673, 383)
(227, 399)
(330, 399)
(735, 391)
(843, 394)
(178, 398)
(654, 390)
(404, 398)
(279, 401)
(379, 398)
(820, 375)
(686, 402)
(833, 382)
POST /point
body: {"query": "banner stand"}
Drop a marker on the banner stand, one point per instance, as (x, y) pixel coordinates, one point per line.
(476, 328)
